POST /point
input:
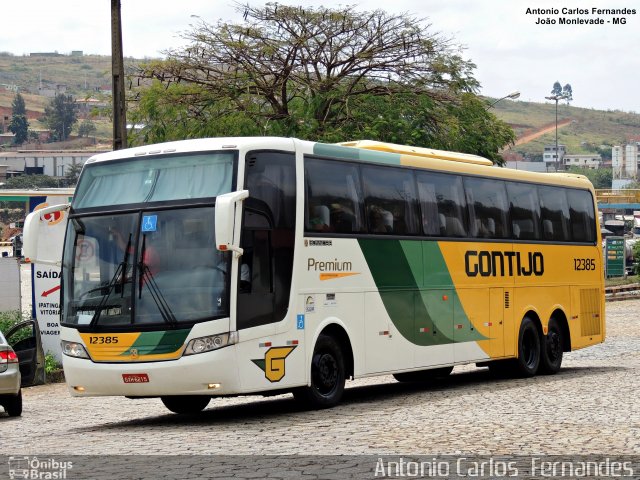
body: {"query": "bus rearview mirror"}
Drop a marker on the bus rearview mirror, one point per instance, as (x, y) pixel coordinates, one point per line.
(225, 221)
(31, 232)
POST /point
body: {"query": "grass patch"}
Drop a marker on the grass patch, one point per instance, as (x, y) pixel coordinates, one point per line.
(617, 281)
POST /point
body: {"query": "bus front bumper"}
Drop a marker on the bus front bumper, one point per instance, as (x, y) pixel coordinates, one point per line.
(208, 373)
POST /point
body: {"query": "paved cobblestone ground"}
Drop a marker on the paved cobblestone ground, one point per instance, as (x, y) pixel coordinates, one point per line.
(590, 407)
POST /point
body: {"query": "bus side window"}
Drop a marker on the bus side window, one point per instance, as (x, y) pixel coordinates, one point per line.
(443, 204)
(555, 213)
(582, 216)
(525, 210)
(488, 207)
(333, 188)
(390, 200)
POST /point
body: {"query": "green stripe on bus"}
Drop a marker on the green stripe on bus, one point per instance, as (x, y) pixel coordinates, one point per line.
(360, 154)
(157, 343)
(424, 310)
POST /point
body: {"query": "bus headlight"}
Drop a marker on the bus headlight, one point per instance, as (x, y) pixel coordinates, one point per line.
(74, 349)
(212, 342)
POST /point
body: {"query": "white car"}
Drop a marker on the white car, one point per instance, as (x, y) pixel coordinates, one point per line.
(10, 392)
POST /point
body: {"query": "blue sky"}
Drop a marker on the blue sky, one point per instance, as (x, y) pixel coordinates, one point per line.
(511, 52)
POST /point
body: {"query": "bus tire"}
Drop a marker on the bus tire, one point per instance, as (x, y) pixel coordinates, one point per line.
(529, 351)
(552, 342)
(185, 404)
(423, 375)
(327, 375)
(13, 404)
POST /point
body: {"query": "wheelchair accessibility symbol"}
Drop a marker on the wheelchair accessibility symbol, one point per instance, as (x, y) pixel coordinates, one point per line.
(149, 223)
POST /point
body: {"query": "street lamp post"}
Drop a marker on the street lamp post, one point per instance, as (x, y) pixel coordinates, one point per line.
(556, 97)
(512, 96)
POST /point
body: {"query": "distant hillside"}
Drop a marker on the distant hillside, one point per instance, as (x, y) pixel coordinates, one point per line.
(84, 76)
(585, 130)
(74, 72)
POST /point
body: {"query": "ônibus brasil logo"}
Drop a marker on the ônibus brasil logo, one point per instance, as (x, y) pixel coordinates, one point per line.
(33, 467)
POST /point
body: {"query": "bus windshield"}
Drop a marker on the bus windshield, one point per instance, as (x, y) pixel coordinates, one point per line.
(145, 268)
(155, 179)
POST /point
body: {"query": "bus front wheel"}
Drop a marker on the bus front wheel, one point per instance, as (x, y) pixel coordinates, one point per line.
(185, 404)
(327, 375)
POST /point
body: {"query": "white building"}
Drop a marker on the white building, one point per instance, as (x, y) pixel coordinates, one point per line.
(582, 161)
(624, 161)
(550, 157)
(48, 162)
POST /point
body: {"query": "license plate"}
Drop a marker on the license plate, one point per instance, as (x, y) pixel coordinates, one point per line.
(135, 378)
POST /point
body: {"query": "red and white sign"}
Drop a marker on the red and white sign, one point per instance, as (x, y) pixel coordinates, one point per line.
(46, 278)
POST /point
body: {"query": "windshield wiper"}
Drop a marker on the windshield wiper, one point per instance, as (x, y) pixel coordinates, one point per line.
(121, 270)
(156, 293)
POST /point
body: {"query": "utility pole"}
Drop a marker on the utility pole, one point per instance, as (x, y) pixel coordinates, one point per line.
(117, 72)
(557, 97)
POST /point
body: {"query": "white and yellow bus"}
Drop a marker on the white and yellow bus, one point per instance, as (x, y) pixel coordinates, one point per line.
(230, 266)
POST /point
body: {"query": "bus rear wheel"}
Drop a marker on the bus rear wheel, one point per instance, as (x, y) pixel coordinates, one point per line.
(423, 375)
(529, 351)
(552, 342)
(185, 404)
(327, 375)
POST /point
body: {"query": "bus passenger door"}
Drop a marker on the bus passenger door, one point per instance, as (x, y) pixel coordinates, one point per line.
(267, 239)
(255, 288)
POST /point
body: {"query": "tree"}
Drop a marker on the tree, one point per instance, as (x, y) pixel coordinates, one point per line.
(314, 60)
(60, 116)
(567, 92)
(30, 182)
(600, 177)
(557, 88)
(86, 128)
(19, 125)
(316, 73)
(71, 174)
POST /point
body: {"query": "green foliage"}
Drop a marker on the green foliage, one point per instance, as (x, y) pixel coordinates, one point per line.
(9, 319)
(30, 182)
(86, 128)
(51, 364)
(567, 91)
(19, 125)
(60, 116)
(318, 74)
(71, 175)
(600, 177)
(632, 186)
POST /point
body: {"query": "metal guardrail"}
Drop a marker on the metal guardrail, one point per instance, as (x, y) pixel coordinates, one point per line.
(618, 196)
(622, 292)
